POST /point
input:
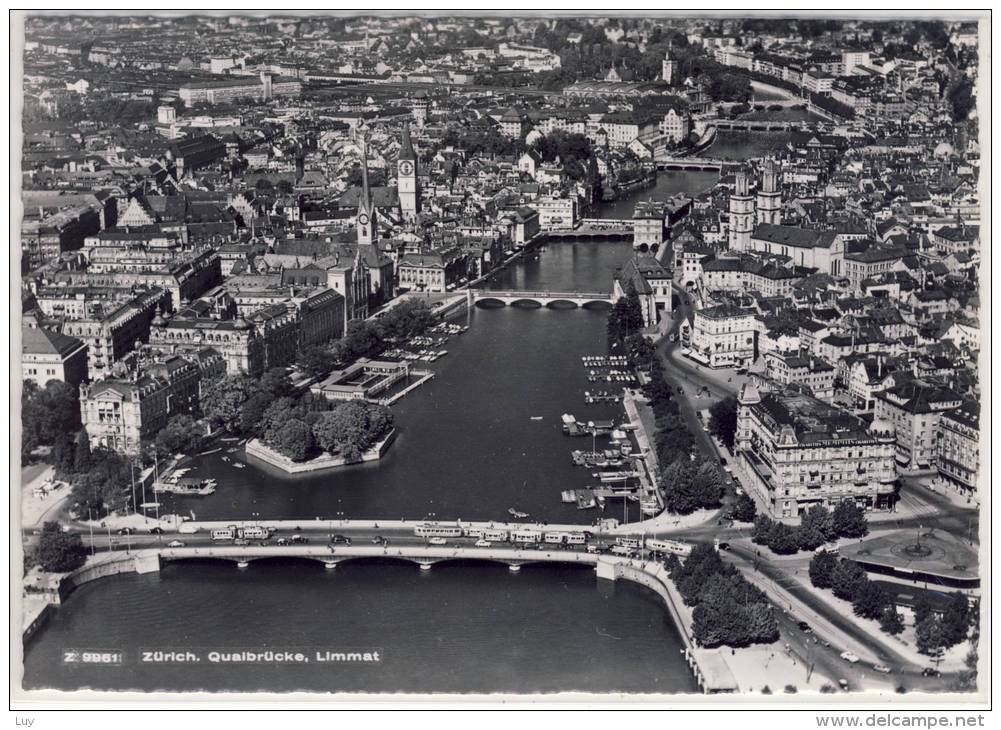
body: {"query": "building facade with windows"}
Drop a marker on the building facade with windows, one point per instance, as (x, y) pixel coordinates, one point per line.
(959, 447)
(796, 452)
(914, 408)
(724, 336)
(120, 414)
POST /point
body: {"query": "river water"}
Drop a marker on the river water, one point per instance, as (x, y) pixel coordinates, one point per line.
(467, 447)
(669, 183)
(457, 628)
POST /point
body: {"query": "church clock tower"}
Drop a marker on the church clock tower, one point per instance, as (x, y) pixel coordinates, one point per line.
(366, 211)
(406, 178)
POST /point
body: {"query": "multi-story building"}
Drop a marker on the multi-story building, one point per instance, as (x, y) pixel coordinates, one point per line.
(243, 87)
(914, 408)
(110, 333)
(959, 447)
(769, 277)
(183, 278)
(121, 414)
(556, 213)
(48, 355)
(795, 451)
(724, 336)
(652, 282)
(44, 237)
(648, 225)
(514, 124)
(431, 272)
(676, 125)
(871, 262)
(813, 374)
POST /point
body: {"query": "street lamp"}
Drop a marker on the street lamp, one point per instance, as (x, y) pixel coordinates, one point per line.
(90, 525)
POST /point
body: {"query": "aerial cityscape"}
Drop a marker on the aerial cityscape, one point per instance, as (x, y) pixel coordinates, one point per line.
(486, 354)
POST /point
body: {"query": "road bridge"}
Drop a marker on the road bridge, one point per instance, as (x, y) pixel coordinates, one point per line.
(760, 125)
(540, 298)
(423, 555)
(704, 164)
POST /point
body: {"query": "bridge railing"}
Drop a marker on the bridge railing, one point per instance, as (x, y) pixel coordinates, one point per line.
(510, 294)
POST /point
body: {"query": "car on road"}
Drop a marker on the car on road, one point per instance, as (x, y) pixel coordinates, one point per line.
(930, 672)
(156, 531)
(804, 627)
(843, 683)
(724, 546)
(340, 540)
(263, 543)
(438, 541)
(282, 541)
(241, 541)
(482, 543)
(850, 657)
(379, 540)
(175, 544)
(299, 539)
(881, 668)
(125, 530)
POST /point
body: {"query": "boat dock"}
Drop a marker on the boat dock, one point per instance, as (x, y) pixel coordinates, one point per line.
(185, 485)
(425, 375)
(583, 498)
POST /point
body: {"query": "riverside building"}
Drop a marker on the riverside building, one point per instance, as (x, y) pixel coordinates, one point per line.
(797, 451)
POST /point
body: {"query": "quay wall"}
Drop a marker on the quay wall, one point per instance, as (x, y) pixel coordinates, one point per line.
(711, 670)
(96, 567)
(258, 450)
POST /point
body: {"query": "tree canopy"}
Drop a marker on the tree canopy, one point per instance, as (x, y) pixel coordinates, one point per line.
(58, 551)
(723, 420)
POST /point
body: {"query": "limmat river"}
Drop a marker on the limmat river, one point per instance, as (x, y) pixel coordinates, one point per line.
(461, 627)
(468, 447)
(467, 444)
(668, 185)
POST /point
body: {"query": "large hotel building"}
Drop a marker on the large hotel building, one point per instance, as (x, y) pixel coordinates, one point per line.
(795, 451)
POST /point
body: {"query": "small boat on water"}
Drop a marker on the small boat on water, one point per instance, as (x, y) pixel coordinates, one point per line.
(515, 513)
(238, 465)
(536, 418)
(210, 451)
(185, 485)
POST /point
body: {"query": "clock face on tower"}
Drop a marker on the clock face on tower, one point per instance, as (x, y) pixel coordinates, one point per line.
(406, 167)
(363, 219)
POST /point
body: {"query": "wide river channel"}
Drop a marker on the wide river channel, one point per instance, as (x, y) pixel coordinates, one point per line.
(471, 444)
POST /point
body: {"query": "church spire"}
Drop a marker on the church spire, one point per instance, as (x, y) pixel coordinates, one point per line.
(406, 146)
(365, 199)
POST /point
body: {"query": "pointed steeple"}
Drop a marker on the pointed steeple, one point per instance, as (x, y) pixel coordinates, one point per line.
(365, 199)
(406, 146)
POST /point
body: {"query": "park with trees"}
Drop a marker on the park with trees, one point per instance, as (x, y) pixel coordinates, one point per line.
(687, 485)
(935, 631)
(727, 609)
(297, 426)
(817, 526)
